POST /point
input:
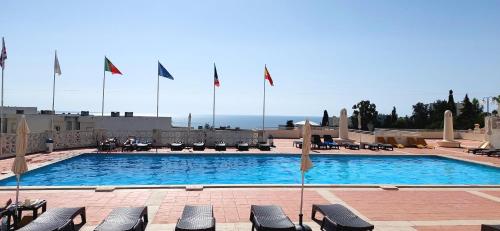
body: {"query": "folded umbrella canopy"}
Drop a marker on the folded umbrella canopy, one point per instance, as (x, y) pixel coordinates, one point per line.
(305, 165)
(19, 166)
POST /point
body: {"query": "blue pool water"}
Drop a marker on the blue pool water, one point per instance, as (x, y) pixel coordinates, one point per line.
(176, 169)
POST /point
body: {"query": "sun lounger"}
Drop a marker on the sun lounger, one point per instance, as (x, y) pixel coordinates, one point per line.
(492, 152)
(176, 146)
(338, 217)
(328, 140)
(412, 142)
(196, 218)
(316, 142)
(264, 147)
(384, 145)
(298, 143)
(482, 147)
(373, 147)
(199, 146)
(125, 219)
(351, 145)
(56, 219)
(220, 146)
(242, 146)
(423, 143)
(270, 217)
(392, 141)
(490, 227)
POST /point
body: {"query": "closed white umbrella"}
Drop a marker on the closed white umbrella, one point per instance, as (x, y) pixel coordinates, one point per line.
(489, 123)
(305, 165)
(19, 166)
(302, 123)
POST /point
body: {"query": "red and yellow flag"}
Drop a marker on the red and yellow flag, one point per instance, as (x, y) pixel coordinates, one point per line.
(268, 76)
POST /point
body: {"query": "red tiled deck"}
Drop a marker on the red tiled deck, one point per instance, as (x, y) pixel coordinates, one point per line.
(421, 205)
(436, 208)
(98, 204)
(449, 228)
(234, 205)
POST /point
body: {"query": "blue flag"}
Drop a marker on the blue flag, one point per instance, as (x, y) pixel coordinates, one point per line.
(163, 72)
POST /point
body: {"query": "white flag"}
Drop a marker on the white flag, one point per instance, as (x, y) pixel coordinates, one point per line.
(57, 68)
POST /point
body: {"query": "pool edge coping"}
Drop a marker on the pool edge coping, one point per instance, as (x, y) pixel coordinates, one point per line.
(257, 186)
(8, 188)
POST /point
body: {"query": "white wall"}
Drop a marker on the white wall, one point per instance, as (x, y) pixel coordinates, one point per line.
(136, 123)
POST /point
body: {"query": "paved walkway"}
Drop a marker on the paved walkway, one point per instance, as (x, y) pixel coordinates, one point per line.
(404, 209)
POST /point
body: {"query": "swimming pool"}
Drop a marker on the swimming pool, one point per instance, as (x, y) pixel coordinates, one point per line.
(209, 169)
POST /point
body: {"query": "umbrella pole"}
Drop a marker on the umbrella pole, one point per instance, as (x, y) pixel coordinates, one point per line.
(301, 200)
(18, 178)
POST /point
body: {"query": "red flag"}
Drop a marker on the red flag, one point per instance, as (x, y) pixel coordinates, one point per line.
(268, 76)
(108, 66)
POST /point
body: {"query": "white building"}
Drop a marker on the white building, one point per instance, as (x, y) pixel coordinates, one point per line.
(42, 121)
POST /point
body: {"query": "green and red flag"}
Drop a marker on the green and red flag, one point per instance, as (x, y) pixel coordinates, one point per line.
(108, 66)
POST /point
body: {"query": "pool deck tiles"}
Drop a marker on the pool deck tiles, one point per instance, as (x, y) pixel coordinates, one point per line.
(412, 209)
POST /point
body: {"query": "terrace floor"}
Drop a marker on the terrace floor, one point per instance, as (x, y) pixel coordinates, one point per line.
(403, 209)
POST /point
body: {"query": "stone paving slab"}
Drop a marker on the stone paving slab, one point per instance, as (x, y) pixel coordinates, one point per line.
(421, 205)
(449, 228)
(232, 206)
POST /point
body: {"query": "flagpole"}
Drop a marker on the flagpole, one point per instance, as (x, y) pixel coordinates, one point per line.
(264, 106)
(213, 114)
(53, 95)
(1, 117)
(158, 92)
(103, 86)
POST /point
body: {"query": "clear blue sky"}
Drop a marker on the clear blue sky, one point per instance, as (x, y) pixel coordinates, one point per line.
(321, 54)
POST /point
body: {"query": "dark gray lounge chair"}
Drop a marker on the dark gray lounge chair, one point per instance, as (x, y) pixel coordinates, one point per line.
(337, 217)
(242, 146)
(490, 227)
(196, 218)
(57, 219)
(328, 140)
(351, 145)
(270, 218)
(492, 152)
(316, 142)
(176, 146)
(264, 147)
(199, 146)
(125, 219)
(220, 146)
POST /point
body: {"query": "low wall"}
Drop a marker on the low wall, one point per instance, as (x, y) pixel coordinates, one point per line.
(470, 136)
(367, 137)
(230, 137)
(296, 133)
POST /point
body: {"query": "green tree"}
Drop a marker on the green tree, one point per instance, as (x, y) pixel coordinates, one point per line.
(478, 112)
(420, 116)
(325, 121)
(467, 116)
(369, 114)
(436, 114)
(394, 116)
(451, 103)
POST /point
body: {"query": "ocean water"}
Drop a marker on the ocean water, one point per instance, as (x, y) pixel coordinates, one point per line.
(242, 121)
(206, 169)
